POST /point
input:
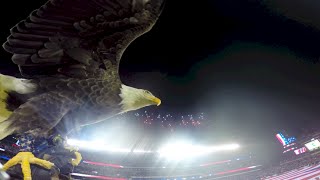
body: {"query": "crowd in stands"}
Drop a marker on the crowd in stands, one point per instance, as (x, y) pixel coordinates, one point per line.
(309, 159)
(198, 172)
(136, 168)
(203, 173)
(195, 171)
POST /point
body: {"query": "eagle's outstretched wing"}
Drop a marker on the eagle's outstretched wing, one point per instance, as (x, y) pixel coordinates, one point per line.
(79, 38)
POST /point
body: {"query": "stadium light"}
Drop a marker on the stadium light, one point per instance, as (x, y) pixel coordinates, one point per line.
(226, 147)
(180, 151)
(95, 145)
(100, 146)
(174, 151)
(141, 151)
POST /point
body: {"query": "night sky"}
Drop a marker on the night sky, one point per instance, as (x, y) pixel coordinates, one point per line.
(248, 65)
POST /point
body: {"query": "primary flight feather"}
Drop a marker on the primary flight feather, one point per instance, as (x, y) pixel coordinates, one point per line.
(69, 51)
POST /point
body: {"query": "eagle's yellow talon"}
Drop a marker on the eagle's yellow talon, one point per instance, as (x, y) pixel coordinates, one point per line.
(26, 170)
(74, 162)
(25, 158)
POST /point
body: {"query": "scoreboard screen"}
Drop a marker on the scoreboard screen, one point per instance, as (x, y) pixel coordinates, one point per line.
(315, 144)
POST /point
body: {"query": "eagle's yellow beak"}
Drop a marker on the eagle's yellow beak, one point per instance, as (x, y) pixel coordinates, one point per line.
(156, 100)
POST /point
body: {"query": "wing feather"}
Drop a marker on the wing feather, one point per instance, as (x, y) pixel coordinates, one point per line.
(79, 38)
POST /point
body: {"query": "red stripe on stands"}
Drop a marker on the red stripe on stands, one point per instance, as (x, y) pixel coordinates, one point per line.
(213, 163)
(312, 176)
(103, 164)
(107, 178)
(232, 171)
(97, 177)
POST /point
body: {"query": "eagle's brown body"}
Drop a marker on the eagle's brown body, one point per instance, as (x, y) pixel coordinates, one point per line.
(71, 49)
(67, 104)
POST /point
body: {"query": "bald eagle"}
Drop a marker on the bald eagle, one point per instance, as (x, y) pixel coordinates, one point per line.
(68, 53)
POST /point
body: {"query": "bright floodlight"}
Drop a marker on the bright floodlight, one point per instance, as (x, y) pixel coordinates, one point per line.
(100, 146)
(176, 151)
(226, 147)
(180, 151)
(95, 145)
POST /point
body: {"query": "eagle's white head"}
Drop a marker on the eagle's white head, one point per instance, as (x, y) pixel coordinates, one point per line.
(133, 98)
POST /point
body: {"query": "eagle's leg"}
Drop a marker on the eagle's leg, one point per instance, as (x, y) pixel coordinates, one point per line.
(25, 157)
(58, 140)
(76, 161)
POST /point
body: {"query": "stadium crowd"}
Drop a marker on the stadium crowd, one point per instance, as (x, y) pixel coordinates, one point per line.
(309, 159)
(207, 172)
(146, 166)
(227, 171)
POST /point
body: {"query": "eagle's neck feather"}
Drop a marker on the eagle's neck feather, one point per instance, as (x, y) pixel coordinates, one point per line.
(130, 96)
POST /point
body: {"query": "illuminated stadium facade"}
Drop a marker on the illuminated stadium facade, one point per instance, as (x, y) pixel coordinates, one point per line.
(181, 161)
(306, 143)
(172, 158)
(156, 166)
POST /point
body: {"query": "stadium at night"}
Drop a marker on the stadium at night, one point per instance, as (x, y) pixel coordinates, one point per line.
(175, 156)
(160, 90)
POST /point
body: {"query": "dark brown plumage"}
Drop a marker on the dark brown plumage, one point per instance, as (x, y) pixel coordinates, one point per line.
(71, 50)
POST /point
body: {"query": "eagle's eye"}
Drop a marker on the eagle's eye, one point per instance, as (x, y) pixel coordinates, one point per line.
(147, 92)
